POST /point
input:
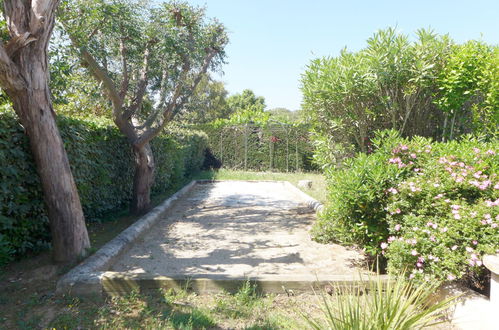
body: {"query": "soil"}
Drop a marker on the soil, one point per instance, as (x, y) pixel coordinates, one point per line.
(238, 229)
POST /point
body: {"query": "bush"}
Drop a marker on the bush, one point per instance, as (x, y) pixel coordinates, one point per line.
(102, 164)
(428, 207)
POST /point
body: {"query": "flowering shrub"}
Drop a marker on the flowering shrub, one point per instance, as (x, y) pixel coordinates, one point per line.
(443, 219)
(432, 208)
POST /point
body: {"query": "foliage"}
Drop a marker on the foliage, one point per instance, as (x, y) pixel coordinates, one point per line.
(102, 164)
(263, 145)
(418, 200)
(207, 103)
(444, 219)
(245, 108)
(396, 304)
(430, 87)
(468, 89)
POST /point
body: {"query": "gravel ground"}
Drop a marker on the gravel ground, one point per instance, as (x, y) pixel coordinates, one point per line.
(237, 229)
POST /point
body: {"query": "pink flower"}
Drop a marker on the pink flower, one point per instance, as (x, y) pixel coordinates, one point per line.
(444, 230)
(391, 239)
(414, 252)
(476, 150)
(457, 216)
(384, 245)
(439, 196)
(451, 277)
(403, 147)
(436, 185)
(413, 156)
(402, 165)
(454, 248)
(433, 239)
(397, 227)
(496, 186)
(455, 207)
(419, 265)
(469, 249)
(392, 190)
(490, 152)
(477, 174)
(411, 276)
(460, 179)
(395, 160)
(494, 225)
(475, 242)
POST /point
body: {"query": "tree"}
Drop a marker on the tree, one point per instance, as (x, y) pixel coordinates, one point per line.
(208, 103)
(245, 101)
(148, 61)
(24, 78)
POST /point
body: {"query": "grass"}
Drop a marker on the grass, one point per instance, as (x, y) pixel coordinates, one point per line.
(27, 288)
(27, 299)
(317, 191)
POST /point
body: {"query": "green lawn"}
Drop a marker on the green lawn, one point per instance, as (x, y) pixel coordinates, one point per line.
(318, 190)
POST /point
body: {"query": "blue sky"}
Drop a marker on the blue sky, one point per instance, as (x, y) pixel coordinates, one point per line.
(272, 41)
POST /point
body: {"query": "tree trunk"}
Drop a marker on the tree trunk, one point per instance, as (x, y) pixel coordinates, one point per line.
(143, 179)
(67, 223)
(24, 77)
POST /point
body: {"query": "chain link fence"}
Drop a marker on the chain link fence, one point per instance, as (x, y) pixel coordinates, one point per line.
(272, 147)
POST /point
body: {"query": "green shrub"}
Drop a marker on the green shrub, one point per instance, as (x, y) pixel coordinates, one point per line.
(428, 207)
(398, 304)
(445, 218)
(102, 164)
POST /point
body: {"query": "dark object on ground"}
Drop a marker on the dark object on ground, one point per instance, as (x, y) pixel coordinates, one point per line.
(210, 161)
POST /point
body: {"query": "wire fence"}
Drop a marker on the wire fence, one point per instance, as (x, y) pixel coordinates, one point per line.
(272, 147)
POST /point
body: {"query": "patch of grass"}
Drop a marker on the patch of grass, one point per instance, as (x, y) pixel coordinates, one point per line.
(318, 190)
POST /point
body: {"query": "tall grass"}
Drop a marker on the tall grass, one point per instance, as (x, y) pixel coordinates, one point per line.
(381, 305)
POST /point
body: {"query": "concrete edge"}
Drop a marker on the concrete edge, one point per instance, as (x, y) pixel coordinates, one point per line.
(88, 273)
(314, 204)
(471, 309)
(120, 283)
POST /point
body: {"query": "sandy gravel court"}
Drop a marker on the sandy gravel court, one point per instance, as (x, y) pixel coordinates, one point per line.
(237, 229)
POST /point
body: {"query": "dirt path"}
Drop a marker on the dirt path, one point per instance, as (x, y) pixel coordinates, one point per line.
(237, 229)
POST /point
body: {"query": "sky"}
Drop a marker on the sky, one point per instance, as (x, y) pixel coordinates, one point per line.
(272, 41)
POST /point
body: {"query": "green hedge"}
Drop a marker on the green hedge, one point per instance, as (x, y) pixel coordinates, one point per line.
(102, 164)
(262, 147)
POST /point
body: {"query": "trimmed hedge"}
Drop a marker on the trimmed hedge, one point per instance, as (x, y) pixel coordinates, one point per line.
(261, 147)
(102, 164)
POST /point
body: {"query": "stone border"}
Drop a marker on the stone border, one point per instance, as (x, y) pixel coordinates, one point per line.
(86, 278)
(90, 277)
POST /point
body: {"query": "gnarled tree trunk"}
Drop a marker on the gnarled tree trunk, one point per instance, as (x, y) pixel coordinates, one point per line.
(143, 179)
(24, 77)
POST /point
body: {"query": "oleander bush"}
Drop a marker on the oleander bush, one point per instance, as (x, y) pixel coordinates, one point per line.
(430, 207)
(102, 165)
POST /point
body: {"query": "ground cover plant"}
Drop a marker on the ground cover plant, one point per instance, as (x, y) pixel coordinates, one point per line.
(429, 207)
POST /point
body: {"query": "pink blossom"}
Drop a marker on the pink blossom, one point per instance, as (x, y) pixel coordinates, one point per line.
(411, 276)
(436, 185)
(444, 230)
(457, 216)
(490, 152)
(476, 150)
(454, 248)
(402, 165)
(447, 200)
(397, 227)
(391, 239)
(392, 190)
(414, 252)
(460, 179)
(439, 196)
(455, 207)
(384, 245)
(487, 216)
(403, 147)
(475, 242)
(413, 156)
(451, 277)
(461, 164)
(471, 262)
(483, 222)
(473, 214)
(478, 262)
(469, 249)
(494, 225)
(477, 174)
(496, 186)
(433, 239)
(419, 265)
(394, 160)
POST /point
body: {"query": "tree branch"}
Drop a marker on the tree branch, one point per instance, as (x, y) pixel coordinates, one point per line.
(10, 78)
(124, 68)
(142, 85)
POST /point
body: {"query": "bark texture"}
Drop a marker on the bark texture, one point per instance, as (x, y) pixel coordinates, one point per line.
(143, 179)
(24, 77)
